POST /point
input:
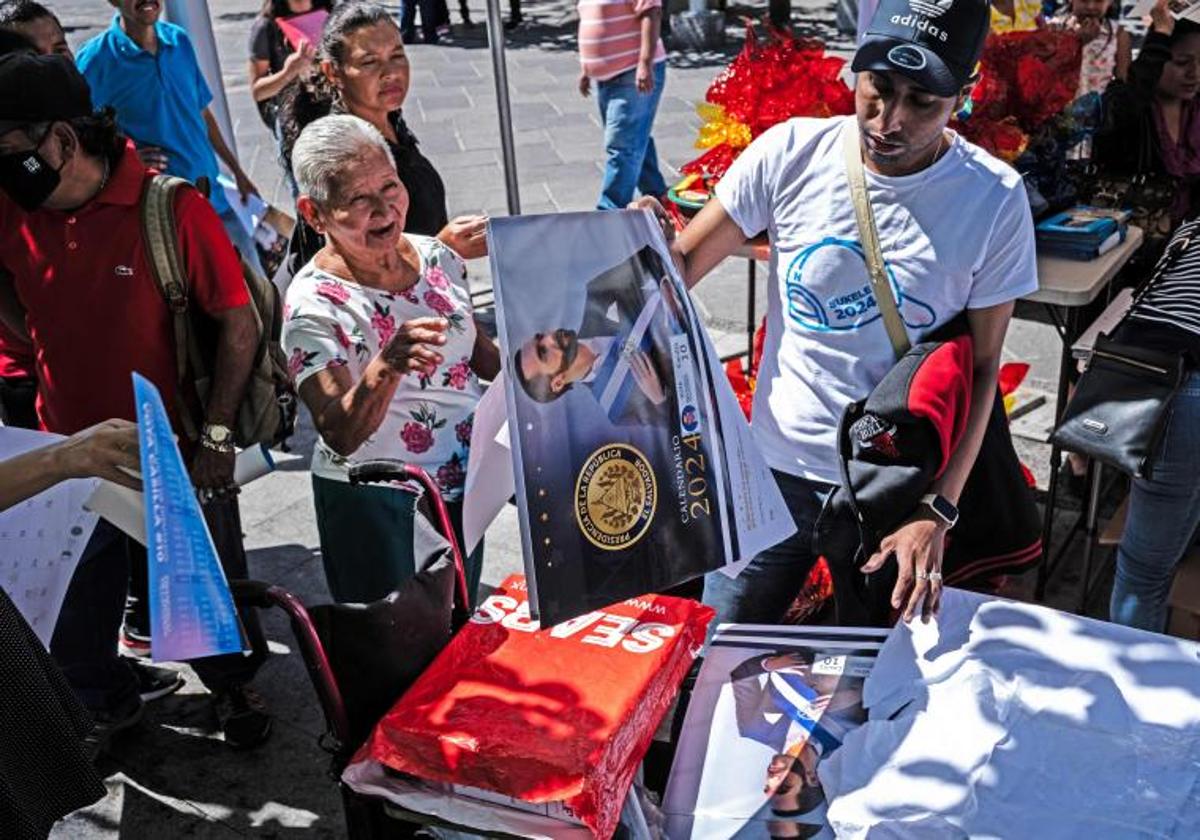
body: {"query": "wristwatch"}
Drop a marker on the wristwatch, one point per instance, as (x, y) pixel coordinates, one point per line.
(216, 437)
(942, 508)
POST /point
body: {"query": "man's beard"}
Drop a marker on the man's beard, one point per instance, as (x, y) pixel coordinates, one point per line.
(568, 343)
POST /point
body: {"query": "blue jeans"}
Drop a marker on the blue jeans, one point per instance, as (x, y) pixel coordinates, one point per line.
(765, 589)
(1164, 512)
(630, 159)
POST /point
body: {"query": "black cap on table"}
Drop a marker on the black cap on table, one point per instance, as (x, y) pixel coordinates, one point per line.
(40, 88)
(936, 43)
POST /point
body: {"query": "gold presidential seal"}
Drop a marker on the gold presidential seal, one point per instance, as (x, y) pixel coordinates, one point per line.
(615, 496)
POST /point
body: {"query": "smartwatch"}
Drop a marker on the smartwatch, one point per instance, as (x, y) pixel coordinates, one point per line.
(942, 508)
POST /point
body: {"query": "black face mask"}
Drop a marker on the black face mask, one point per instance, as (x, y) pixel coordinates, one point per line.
(28, 179)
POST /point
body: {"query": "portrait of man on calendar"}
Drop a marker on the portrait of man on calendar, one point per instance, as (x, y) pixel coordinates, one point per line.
(618, 353)
(615, 439)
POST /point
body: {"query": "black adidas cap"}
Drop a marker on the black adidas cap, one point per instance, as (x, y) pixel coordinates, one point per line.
(936, 43)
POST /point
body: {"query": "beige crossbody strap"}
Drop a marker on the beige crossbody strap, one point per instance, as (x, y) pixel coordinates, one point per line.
(869, 236)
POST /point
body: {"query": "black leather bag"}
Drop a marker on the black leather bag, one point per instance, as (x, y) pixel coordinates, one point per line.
(1121, 405)
(1123, 400)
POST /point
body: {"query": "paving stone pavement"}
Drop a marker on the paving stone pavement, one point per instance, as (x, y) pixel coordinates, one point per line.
(173, 777)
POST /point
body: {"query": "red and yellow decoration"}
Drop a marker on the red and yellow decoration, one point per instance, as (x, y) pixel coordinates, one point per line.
(769, 81)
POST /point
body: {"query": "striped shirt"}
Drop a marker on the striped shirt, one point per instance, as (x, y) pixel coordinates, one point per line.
(610, 36)
(1174, 297)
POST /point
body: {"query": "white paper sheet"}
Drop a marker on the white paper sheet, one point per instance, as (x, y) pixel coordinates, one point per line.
(125, 508)
(482, 810)
(251, 213)
(42, 539)
(760, 512)
(489, 483)
(1004, 719)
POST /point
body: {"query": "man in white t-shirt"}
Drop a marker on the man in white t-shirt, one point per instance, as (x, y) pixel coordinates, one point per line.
(956, 234)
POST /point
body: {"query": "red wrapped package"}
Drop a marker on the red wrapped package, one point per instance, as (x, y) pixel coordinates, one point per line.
(559, 715)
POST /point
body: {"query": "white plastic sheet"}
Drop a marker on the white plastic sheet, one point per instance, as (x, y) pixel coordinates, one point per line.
(1004, 719)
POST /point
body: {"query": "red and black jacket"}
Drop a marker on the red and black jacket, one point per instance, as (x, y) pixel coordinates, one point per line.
(893, 445)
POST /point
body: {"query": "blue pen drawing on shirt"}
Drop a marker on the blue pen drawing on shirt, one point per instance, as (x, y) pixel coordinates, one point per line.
(847, 309)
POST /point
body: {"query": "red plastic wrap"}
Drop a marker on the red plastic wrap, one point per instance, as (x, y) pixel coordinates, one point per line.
(561, 714)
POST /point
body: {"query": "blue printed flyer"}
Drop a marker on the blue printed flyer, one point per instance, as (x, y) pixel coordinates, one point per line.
(191, 608)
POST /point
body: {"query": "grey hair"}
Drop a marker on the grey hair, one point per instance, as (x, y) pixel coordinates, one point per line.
(328, 149)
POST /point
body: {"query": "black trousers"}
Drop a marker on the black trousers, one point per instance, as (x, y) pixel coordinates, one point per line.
(85, 639)
(18, 398)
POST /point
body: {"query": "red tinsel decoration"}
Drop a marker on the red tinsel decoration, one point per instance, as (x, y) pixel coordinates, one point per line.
(770, 82)
(1029, 76)
(1026, 78)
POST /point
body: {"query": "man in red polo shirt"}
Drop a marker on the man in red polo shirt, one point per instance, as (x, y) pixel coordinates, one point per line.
(81, 283)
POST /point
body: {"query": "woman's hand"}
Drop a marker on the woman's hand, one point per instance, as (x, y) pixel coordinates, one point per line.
(105, 450)
(467, 236)
(917, 546)
(649, 202)
(1161, 20)
(410, 350)
(1088, 29)
(299, 62)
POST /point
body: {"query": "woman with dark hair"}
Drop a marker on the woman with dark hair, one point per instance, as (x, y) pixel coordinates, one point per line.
(364, 71)
(274, 62)
(1152, 121)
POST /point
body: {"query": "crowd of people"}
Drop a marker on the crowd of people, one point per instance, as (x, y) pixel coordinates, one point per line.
(379, 331)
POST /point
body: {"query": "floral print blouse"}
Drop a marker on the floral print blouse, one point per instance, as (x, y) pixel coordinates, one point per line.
(331, 321)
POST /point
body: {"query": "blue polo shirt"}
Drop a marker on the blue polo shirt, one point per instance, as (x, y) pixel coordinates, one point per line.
(159, 99)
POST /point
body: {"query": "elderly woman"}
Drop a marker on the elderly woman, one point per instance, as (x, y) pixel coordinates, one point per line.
(364, 71)
(386, 355)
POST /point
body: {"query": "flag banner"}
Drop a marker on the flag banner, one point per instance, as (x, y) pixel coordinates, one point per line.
(305, 27)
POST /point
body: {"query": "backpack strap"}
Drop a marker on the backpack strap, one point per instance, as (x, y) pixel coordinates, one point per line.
(162, 247)
(869, 236)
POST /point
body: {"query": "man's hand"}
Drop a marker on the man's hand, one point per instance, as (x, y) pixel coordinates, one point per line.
(644, 77)
(777, 773)
(646, 377)
(1161, 20)
(245, 186)
(212, 472)
(917, 546)
(409, 349)
(153, 157)
(105, 450)
(585, 84)
(467, 235)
